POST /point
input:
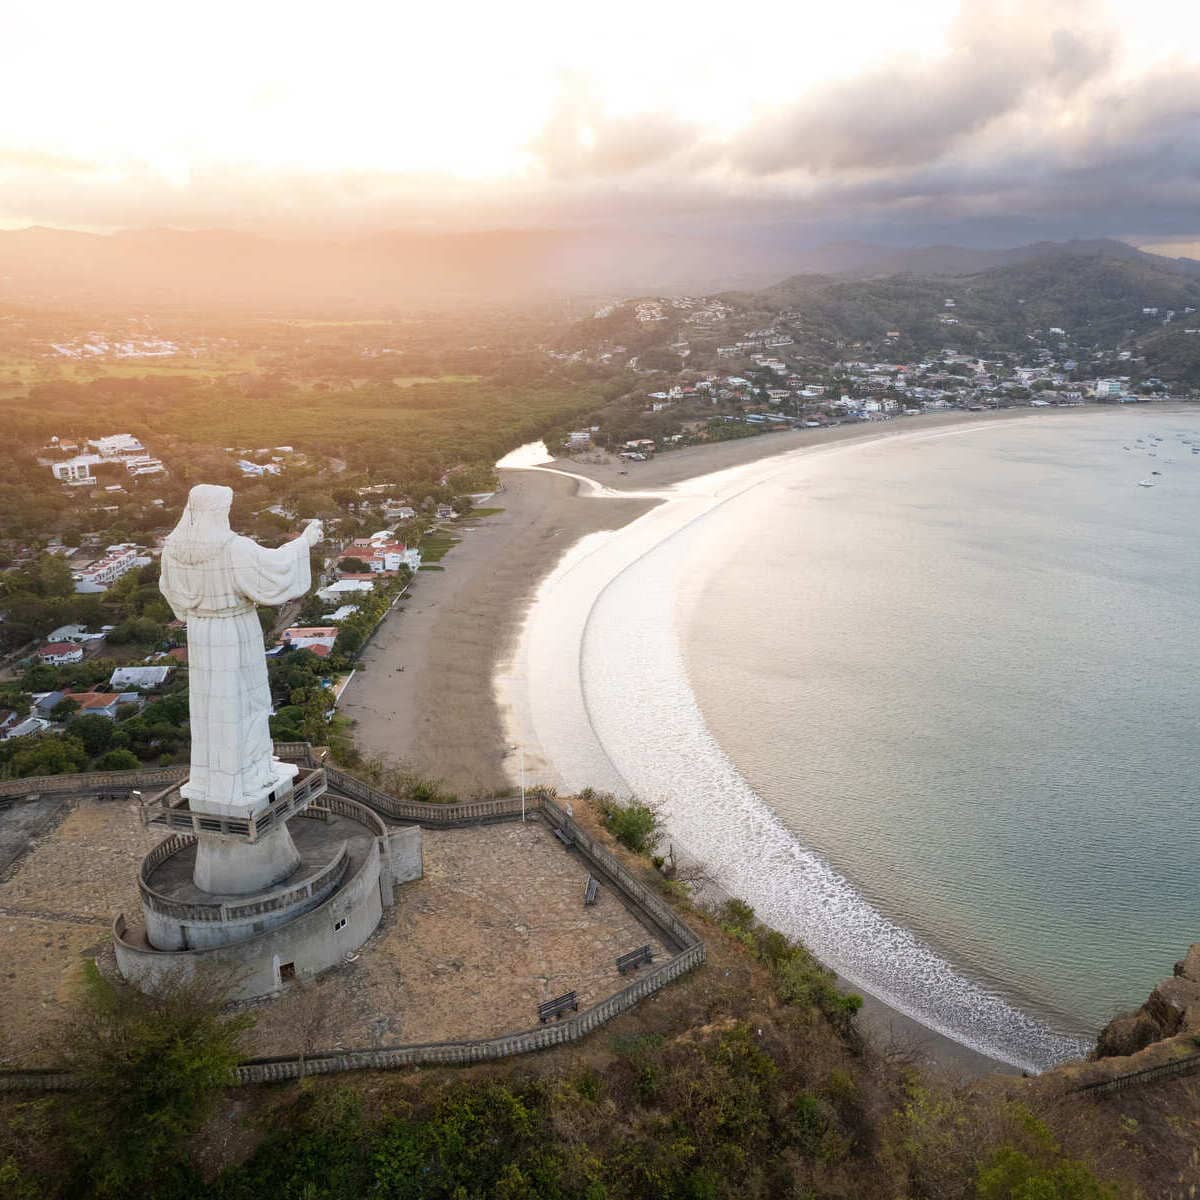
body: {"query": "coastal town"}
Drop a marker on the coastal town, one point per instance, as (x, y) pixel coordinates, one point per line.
(631, 380)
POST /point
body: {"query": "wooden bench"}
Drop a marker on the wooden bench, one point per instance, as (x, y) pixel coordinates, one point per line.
(634, 959)
(555, 1008)
(591, 890)
(566, 839)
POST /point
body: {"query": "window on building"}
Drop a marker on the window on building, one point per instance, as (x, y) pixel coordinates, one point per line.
(287, 970)
(339, 925)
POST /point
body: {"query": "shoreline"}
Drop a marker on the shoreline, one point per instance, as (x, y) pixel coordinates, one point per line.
(443, 714)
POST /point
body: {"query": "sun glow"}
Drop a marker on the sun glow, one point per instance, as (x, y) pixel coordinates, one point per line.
(266, 111)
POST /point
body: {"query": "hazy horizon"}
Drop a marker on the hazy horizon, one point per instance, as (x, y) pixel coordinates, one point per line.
(986, 123)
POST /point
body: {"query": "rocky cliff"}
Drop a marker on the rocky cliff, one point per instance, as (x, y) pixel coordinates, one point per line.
(1172, 1009)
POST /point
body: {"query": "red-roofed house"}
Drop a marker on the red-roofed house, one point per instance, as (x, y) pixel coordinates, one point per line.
(319, 649)
(59, 654)
(307, 637)
(104, 704)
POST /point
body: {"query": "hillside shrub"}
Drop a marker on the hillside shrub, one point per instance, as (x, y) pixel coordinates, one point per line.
(632, 822)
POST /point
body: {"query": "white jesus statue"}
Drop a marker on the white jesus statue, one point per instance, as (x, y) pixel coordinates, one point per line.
(213, 578)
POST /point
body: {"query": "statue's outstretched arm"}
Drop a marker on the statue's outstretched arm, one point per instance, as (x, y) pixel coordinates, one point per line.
(272, 576)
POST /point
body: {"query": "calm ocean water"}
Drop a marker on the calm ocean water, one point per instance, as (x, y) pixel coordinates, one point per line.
(965, 671)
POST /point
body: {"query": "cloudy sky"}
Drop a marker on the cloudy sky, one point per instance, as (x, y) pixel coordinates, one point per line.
(989, 122)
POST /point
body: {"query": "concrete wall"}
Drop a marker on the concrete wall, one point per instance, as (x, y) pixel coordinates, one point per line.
(404, 847)
(310, 943)
(175, 933)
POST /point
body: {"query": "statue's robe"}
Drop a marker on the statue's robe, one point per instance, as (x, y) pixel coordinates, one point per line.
(214, 586)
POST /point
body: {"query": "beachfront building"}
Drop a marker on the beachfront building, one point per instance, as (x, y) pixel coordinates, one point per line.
(382, 554)
(103, 704)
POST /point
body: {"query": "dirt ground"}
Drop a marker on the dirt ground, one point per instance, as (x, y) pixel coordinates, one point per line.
(57, 906)
(497, 925)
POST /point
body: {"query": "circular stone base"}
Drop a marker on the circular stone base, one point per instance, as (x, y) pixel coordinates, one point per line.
(323, 911)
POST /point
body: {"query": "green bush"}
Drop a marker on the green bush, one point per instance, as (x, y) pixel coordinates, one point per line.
(798, 977)
(119, 760)
(634, 824)
(1012, 1174)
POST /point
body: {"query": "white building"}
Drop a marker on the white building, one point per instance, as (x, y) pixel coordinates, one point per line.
(77, 470)
(139, 677)
(60, 654)
(117, 445)
(340, 614)
(344, 588)
(25, 728)
(1108, 389)
(116, 561)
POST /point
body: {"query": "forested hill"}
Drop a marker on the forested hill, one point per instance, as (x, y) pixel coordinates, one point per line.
(1097, 291)
(1076, 300)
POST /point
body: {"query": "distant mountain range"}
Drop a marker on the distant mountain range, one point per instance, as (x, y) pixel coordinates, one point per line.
(864, 259)
(205, 269)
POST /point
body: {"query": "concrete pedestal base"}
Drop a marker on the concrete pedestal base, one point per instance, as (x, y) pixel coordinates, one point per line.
(226, 867)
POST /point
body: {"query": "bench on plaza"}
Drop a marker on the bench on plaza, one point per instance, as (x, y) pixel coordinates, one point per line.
(566, 839)
(555, 1008)
(634, 959)
(591, 890)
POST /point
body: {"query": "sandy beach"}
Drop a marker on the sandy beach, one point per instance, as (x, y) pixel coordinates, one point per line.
(424, 694)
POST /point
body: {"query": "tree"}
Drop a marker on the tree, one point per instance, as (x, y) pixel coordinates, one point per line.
(93, 730)
(153, 1065)
(353, 566)
(54, 754)
(64, 708)
(119, 759)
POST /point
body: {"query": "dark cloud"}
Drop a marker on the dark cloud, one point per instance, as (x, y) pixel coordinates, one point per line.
(1000, 59)
(1027, 124)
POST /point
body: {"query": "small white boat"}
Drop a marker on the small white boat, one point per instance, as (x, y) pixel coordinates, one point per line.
(1145, 483)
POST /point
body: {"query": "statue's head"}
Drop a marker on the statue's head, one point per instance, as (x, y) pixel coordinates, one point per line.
(205, 521)
(210, 498)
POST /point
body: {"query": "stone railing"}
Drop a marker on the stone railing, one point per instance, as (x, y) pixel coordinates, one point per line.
(640, 896)
(309, 785)
(352, 811)
(91, 781)
(429, 1054)
(473, 812)
(545, 1037)
(325, 880)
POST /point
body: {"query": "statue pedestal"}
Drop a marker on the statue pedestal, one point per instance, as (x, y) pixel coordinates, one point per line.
(237, 867)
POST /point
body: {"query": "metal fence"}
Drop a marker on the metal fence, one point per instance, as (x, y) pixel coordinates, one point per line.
(1118, 1083)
